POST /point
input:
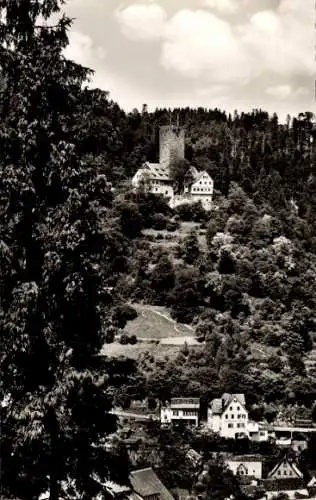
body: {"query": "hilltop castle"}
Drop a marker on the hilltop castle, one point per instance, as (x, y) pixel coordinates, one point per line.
(156, 176)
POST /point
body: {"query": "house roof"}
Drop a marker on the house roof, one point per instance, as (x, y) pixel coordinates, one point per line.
(115, 488)
(218, 405)
(244, 458)
(290, 465)
(145, 482)
(185, 403)
(156, 171)
(200, 175)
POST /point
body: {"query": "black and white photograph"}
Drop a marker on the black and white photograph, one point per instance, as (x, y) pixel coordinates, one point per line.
(157, 249)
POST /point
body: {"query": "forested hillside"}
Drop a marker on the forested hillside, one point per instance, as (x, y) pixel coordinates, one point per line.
(249, 280)
(76, 245)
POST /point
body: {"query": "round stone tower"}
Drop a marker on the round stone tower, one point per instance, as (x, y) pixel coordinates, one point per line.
(171, 144)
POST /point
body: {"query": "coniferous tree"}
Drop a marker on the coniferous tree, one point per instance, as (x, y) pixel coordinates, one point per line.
(52, 240)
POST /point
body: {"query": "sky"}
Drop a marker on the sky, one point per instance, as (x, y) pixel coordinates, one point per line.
(230, 54)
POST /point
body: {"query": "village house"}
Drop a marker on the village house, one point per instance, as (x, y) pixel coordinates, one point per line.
(185, 410)
(198, 186)
(285, 478)
(228, 416)
(146, 485)
(249, 466)
(286, 468)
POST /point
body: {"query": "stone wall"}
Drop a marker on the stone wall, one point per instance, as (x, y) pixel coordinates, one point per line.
(171, 144)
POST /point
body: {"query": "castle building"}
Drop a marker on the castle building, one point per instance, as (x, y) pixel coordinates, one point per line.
(156, 176)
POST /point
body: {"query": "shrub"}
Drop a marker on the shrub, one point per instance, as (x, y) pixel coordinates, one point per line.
(122, 314)
(133, 339)
(123, 339)
(172, 225)
(158, 222)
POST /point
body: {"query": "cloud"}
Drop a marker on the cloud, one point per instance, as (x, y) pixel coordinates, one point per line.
(278, 42)
(82, 50)
(279, 91)
(284, 91)
(225, 7)
(200, 45)
(142, 21)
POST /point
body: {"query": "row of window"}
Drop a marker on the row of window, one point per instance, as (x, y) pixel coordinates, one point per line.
(232, 416)
(285, 473)
(157, 189)
(239, 426)
(202, 190)
(185, 413)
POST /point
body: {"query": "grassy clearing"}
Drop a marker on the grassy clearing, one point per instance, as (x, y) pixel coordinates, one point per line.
(159, 351)
(154, 322)
(160, 335)
(172, 239)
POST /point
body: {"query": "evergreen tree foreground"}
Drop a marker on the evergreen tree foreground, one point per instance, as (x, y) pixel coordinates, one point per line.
(54, 389)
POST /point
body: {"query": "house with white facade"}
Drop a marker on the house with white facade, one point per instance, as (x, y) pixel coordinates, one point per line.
(154, 177)
(228, 416)
(249, 466)
(198, 186)
(181, 410)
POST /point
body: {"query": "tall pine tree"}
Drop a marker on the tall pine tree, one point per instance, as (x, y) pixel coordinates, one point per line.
(53, 207)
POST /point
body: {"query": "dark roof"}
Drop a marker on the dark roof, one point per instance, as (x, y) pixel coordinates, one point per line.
(156, 171)
(185, 403)
(245, 458)
(218, 405)
(145, 482)
(291, 465)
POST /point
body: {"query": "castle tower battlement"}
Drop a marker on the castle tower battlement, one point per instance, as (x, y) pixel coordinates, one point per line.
(171, 144)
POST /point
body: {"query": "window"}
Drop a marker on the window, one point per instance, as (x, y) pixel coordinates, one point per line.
(230, 408)
(279, 473)
(226, 416)
(285, 473)
(242, 425)
(232, 416)
(230, 426)
(175, 413)
(238, 408)
(238, 416)
(166, 192)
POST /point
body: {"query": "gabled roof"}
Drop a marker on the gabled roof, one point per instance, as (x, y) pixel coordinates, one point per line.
(156, 171)
(145, 482)
(218, 405)
(200, 176)
(290, 465)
